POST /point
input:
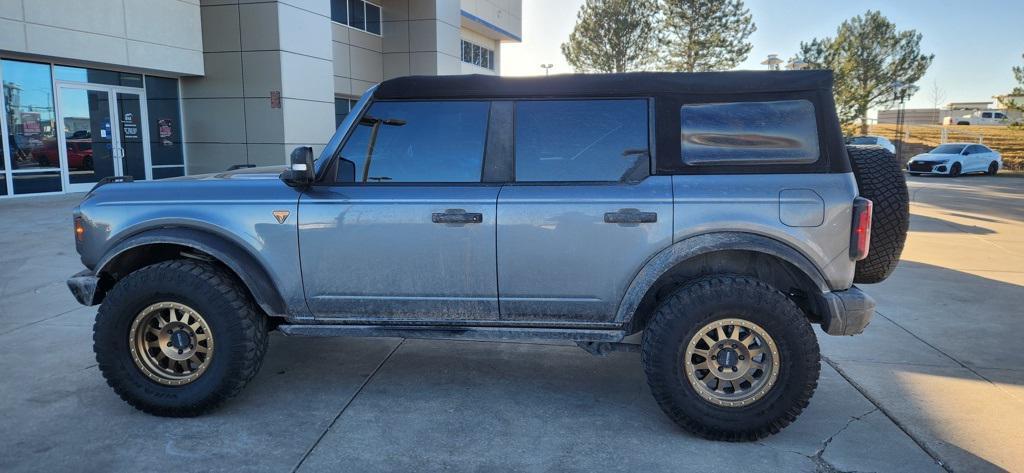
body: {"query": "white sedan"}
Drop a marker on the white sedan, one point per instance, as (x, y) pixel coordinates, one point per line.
(954, 159)
(867, 140)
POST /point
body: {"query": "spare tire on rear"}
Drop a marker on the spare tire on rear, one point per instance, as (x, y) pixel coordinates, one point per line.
(880, 179)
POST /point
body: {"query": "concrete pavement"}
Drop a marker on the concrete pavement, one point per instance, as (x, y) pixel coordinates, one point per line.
(939, 369)
(943, 356)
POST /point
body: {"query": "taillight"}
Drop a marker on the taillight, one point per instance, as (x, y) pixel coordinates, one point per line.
(79, 229)
(860, 233)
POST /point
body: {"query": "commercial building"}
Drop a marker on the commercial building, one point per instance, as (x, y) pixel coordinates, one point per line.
(164, 88)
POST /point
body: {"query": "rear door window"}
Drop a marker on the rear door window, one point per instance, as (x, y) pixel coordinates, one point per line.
(745, 133)
(581, 140)
(430, 141)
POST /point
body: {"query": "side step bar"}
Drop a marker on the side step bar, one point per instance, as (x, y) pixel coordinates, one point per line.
(447, 332)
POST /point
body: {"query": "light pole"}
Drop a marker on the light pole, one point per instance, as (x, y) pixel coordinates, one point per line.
(772, 62)
(547, 69)
(899, 93)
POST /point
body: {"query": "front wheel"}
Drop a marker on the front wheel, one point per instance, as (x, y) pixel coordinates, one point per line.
(993, 168)
(178, 338)
(730, 358)
(954, 171)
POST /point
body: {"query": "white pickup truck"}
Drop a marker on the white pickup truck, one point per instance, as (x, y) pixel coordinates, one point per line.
(979, 117)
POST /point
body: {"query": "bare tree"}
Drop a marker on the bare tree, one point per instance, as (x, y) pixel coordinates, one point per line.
(937, 95)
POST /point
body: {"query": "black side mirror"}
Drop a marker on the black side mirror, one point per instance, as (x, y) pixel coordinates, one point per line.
(300, 172)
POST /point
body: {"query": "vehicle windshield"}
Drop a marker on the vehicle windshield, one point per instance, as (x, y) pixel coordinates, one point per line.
(863, 140)
(947, 149)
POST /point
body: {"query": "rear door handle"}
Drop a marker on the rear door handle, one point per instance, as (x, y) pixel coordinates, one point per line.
(630, 217)
(456, 216)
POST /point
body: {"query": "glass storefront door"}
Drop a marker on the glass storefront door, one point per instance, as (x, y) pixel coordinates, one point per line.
(101, 133)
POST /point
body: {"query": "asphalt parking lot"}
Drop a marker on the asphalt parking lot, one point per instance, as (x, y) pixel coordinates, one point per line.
(936, 383)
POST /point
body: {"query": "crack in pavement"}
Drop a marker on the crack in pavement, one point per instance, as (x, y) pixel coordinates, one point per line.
(863, 392)
(821, 464)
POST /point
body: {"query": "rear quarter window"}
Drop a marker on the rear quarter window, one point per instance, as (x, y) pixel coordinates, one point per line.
(749, 133)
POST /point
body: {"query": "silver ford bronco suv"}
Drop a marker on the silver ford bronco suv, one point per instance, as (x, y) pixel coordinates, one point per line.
(716, 216)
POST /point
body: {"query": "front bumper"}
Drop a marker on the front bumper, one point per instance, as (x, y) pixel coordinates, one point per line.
(847, 312)
(83, 287)
(928, 167)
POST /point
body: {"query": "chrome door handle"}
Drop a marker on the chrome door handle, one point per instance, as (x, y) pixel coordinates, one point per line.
(456, 216)
(630, 217)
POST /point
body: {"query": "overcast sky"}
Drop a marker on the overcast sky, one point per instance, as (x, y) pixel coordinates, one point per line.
(975, 42)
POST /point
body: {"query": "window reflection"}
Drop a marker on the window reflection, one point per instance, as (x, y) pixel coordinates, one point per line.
(780, 132)
(580, 140)
(417, 142)
(32, 134)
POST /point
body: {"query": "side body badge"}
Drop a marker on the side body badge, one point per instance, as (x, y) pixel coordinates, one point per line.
(281, 215)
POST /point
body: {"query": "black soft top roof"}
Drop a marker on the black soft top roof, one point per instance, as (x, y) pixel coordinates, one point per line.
(604, 85)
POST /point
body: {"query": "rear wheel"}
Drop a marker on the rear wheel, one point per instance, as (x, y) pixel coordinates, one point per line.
(993, 168)
(881, 179)
(730, 358)
(178, 338)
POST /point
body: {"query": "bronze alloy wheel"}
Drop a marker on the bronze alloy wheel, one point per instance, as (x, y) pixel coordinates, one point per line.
(171, 343)
(731, 362)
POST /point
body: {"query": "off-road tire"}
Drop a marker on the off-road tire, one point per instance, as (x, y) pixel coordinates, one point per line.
(880, 179)
(240, 335)
(685, 311)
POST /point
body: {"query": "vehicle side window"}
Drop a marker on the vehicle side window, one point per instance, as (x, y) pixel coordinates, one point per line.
(1000, 115)
(580, 140)
(986, 115)
(779, 132)
(435, 141)
(975, 149)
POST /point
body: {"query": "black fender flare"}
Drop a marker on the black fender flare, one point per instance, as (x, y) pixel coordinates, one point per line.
(705, 243)
(240, 261)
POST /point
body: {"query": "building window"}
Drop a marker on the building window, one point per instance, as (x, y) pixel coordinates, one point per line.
(32, 155)
(477, 55)
(341, 108)
(364, 16)
(164, 111)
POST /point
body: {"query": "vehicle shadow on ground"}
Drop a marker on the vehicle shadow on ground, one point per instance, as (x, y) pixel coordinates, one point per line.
(927, 224)
(938, 368)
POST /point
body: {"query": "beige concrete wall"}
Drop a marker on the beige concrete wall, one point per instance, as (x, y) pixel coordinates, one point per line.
(505, 14)
(420, 37)
(156, 35)
(251, 51)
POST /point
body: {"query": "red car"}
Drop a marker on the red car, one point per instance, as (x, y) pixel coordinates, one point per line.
(79, 154)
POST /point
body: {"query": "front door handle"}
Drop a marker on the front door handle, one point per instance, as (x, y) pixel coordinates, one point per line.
(456, 216)
(630, 217)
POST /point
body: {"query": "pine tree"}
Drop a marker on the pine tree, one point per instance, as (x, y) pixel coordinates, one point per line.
(613, 36)
(705, 35)
(869, 58)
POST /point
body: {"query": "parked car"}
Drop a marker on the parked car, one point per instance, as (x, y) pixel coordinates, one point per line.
(79, 153)
(954, 159)
(867, 140)
(483, 207)
(978, 118)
